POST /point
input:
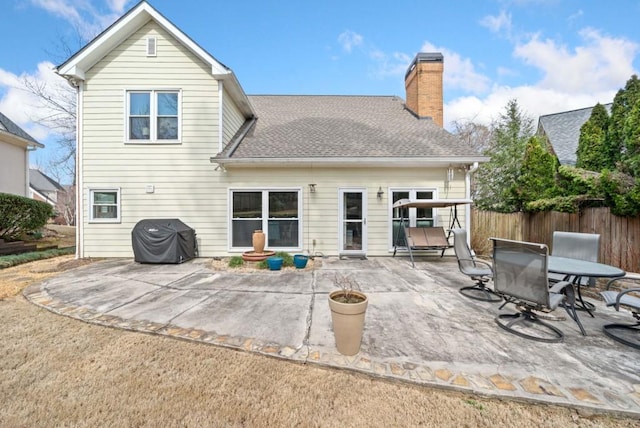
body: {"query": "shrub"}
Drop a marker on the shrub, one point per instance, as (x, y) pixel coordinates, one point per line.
(20, 215)
(287, 259)
(236, 261)
(17, 259)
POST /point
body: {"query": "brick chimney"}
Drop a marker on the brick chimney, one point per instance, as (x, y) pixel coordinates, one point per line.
(423, 82)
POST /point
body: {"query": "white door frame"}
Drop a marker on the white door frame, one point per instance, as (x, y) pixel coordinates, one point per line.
(341, 221)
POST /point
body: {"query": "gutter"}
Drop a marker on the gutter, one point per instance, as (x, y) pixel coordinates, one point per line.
(341, 161)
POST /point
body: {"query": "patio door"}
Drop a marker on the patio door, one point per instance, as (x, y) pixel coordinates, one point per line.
(353, 221)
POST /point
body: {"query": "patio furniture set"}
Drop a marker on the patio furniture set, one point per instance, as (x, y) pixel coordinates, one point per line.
(525, 274)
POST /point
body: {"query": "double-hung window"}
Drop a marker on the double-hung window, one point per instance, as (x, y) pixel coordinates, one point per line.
(104, 205)
(153, 116)
(275, 212)
(415, 217)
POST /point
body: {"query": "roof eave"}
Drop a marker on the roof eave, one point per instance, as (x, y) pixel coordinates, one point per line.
(383, 162)
(15, 140)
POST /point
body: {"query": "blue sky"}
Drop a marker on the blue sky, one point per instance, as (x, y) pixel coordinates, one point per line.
(550, 55)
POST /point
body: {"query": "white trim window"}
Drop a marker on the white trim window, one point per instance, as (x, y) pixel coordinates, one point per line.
(153, 116)
(277, 212)
(104, 205)
(418, 217)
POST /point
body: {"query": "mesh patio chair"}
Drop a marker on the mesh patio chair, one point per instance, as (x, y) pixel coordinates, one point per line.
(520, 276)
(477, 270)
(581, 246)
(628, 334)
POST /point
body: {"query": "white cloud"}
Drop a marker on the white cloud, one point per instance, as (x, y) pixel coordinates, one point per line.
(117, 6)
(459, 72)
(534, 101)
(349, 39)
(499, 23)
(600, 63)
(389, 65)
(83, 15)
(571, 78)
(20, 105)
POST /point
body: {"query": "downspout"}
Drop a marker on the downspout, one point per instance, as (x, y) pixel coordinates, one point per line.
(220, 115)
(467, 208)
(79, 181)
(26, 173)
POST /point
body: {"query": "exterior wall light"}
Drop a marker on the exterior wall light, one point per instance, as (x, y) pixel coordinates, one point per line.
(380, 193)
(312, 188)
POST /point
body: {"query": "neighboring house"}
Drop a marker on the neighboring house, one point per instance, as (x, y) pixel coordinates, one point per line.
(44, 188)
(15, 145)
(562, 131)
(166, 131)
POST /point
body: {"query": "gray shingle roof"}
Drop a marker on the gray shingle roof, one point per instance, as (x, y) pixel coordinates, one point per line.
(318, 126)
(563, 131)
(7, 125)
(42, 182)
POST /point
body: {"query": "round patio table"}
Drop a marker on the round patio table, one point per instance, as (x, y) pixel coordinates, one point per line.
(575, 269)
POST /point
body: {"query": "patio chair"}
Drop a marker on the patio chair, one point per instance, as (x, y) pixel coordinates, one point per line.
(574, 245)
(478, 270)
(581, 246)
(629, 334)
(520, 276)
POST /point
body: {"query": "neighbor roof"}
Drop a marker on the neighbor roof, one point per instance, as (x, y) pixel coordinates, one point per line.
(347, 128)
(563, 131)
(7, 126)
(41, 182)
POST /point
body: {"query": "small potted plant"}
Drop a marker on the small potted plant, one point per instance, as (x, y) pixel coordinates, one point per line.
(300, 261)
(275, 262)
(348, 306)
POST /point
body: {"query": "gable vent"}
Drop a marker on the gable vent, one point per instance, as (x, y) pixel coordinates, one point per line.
(151, 46)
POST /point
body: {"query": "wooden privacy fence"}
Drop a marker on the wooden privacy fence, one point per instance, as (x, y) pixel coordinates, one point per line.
(619, 236)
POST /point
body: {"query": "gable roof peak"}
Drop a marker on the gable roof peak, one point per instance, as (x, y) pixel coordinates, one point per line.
(74, 69)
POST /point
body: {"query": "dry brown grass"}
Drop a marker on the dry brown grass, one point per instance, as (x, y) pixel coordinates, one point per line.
(56, 371)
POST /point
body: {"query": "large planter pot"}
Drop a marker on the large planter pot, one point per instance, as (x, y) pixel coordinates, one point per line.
(348, 322)
(275, 263)
(257, 239)
(300, 261)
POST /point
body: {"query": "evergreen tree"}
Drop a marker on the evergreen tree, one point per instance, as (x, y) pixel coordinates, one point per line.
(623, 103)
(497, 178)
(537, 178)
(631, 138)
(591, 145)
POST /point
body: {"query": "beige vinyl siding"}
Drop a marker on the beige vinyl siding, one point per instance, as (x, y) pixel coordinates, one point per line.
(13, 164)
(320, 209)
(181, 174)
(232, 118)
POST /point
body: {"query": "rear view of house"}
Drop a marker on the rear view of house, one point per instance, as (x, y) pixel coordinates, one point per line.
(166, 131)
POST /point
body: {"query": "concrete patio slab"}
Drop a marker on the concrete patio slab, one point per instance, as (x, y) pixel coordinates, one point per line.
(418, 327)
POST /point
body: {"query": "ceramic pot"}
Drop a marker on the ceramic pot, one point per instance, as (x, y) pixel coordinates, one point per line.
(258, 241)
(348, 322)
(300, 261)
(274, 263)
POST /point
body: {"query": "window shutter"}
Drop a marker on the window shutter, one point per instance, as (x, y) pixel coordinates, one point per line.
(151, 46)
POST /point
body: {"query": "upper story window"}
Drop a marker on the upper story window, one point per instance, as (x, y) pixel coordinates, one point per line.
(153, 116)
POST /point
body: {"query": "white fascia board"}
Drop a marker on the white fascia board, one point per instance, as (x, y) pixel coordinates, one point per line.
(128, 24)
(237, 93)
(386, 162)
(15, 140)
(105, 42)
